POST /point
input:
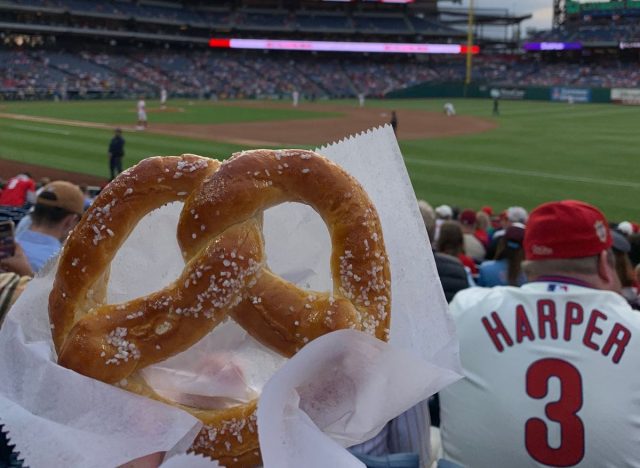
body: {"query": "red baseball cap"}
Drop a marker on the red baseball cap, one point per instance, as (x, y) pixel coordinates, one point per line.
(467, 217)
(566, 229)
(487, 209)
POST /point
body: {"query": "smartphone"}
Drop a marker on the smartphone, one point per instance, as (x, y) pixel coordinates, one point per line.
(7, 239)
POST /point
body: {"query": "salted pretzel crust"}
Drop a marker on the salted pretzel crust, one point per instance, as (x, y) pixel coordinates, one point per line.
(219, 233)
(88, 251)
(276, 312)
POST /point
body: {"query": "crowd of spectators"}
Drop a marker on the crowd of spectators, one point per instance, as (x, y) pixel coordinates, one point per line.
(613, 74)
(239, 17)
(230, 75)
(489, 247)
(611, 29)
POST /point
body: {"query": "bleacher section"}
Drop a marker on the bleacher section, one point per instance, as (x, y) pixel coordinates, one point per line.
(324, 22)
(597, 22)
(377, 24)
(214, 17)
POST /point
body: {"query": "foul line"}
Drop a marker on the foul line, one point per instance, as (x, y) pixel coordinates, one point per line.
(50, 120)
(40, 129)
(82, 124)
(503, 170)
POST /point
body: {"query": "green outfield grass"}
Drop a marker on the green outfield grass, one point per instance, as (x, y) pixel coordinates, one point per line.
(539, 152)
(180, 112)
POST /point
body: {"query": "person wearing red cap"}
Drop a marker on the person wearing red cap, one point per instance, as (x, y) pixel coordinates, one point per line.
(19, 190)
(551, 367)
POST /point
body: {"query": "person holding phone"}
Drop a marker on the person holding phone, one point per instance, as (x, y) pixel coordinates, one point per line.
(58, 209)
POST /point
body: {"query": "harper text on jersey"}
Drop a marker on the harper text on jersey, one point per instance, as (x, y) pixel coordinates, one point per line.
(549, 316)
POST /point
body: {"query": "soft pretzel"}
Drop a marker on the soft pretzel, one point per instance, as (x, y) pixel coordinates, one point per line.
(111, 342)
(276, 312)
(221, 241)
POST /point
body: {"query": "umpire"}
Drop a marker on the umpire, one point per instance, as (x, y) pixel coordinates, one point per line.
(116, 153)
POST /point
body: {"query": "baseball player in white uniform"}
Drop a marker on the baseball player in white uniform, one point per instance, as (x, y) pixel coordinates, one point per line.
(296, 98)
(361, 99)
(551, 367)
(449, 110)
(142, 114)
(163, 98)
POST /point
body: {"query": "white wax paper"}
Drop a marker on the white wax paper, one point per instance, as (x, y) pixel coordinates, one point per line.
(336, 392)
(81, 422)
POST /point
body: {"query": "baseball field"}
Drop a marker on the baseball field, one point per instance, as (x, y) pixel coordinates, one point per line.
(532, 152)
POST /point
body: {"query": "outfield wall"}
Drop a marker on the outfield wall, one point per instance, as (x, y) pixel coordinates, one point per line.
(535, 93)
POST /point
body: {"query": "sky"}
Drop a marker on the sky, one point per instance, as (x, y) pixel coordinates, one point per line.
(542, 10)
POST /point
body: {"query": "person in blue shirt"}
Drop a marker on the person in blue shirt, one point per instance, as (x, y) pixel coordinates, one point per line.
(58, 209)
(505, 270)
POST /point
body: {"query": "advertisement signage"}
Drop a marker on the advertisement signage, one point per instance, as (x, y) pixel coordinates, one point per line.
(626, 96)
(508, 93)
(571, 94)
(630, 45)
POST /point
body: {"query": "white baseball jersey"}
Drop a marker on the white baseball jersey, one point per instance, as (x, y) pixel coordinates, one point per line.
(552, 378)
(449, 109)
(142, 115)
(163, 95)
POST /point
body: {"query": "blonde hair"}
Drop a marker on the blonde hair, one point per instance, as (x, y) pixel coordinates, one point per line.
(428, 216)
(482, 220)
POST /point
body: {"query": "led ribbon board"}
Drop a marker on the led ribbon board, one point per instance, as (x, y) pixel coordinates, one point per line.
(334, 46)
(630, 45)
(552, 46)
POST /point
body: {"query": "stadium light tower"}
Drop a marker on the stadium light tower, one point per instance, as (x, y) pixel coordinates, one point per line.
(558, 12)
(467, 80)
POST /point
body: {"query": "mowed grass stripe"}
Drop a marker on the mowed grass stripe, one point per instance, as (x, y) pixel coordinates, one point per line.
(86, 149)
(532, 154)
(33, 128)
(437, 186)
(520, 172)
(180, 111)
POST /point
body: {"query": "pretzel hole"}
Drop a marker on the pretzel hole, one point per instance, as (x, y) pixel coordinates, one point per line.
(298, 246)
(150, 255)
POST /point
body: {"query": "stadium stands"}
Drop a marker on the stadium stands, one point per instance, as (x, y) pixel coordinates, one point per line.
(177, 59)
(251, 74)
(240, 19)
(236, 74)
(592, 30)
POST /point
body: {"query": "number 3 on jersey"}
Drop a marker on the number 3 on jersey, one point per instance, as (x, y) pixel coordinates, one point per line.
(564, 412)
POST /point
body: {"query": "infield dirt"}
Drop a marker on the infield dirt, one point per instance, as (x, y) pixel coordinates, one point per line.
(412, 124)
